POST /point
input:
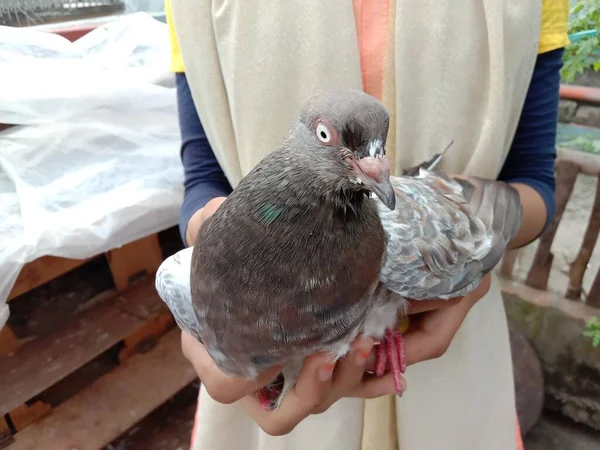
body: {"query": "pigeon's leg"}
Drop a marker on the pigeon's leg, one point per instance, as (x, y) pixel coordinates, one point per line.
(399, 341)
(381, 358)
(394, 346)
(267, 396)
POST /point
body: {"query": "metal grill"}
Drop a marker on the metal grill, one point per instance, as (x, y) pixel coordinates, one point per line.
(36, 12)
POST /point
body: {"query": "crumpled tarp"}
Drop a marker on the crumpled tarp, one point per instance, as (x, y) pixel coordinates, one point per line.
(94, 162)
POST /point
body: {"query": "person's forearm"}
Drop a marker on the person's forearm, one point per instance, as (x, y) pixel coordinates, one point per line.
(204, 180)
(193, 226)
(529, 166)
(198, 218)
(534, 215)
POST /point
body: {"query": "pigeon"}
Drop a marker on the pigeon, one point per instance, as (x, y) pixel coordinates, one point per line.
(301, 257)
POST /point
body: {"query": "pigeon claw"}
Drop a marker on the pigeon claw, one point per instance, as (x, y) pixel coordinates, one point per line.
(266, 400)
(268, 395)
(390, 352)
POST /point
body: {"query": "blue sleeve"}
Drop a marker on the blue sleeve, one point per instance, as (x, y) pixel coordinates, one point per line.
(530, 160)
(533, 151)
(203, 177)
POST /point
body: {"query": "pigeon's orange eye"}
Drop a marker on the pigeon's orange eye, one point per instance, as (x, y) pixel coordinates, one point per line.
(326, 133)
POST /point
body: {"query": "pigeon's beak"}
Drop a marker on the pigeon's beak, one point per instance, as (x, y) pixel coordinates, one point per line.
(376, 177)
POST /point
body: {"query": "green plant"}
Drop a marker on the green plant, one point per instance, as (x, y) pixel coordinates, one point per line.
(583, 143)
(592, 330)
(585, 16)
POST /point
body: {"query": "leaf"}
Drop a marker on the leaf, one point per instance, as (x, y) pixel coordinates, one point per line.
(592, 321)
(584, 16)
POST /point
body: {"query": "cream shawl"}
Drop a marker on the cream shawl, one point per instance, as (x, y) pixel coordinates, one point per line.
(446, 70)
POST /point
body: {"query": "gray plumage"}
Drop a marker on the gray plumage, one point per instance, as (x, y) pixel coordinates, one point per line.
(446, 234)
(288, 264)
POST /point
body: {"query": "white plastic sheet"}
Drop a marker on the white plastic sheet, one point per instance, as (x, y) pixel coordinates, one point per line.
(95, 163)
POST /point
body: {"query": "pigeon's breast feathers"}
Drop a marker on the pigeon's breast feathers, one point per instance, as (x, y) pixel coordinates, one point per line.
(287, 264)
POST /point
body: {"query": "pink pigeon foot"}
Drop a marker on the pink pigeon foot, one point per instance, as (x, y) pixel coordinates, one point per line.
(267, 396)
(390, 352)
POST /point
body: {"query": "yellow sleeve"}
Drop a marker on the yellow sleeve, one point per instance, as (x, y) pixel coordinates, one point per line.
(555, 20)
(176, 60)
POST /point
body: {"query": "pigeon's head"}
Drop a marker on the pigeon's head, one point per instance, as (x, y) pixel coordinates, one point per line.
(346, 132)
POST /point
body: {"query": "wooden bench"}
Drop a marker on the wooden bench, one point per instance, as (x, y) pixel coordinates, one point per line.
(51, 393)
(78, 372)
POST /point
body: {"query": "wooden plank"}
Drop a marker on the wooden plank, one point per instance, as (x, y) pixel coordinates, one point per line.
(566, 175)
(24, 415)
(8, 341)
(168, 427)
(146, 336)
(594, 294)
(589, 163)
(61, 352)
(5, 431)
(42, 270)
(141, 256)
(508, 262)
(111, 405)
(580, 264)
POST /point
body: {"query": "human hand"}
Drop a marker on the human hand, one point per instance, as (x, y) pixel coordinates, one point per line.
(200, 217)
(222, 388)
(430, 333)
(320, 384)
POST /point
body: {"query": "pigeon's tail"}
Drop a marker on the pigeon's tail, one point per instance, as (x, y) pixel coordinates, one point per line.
(498, 206)
(290, 375)
(173, 287)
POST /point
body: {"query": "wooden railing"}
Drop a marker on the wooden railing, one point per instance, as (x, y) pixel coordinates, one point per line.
(569, 165)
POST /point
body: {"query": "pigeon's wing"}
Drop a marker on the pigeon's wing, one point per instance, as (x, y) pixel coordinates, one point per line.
(445, 234)
(431, 164)
(173, 286)
(498, 206)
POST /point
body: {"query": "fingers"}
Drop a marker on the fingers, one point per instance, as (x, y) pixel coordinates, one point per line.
(434, 333)
(373, 386)
(312, 388)
(348, 372)
(320, 384)
(430, 335)
(222, 388)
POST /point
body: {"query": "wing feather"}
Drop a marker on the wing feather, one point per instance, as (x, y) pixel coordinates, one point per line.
(173, 287)
(445, 234)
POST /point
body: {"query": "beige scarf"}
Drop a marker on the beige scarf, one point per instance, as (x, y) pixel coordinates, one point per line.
(445, 71)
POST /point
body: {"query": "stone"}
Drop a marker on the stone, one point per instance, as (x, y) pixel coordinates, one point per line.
(553, 434)
(571, 365)
(567, 110)
(529, 381)
(588, 115)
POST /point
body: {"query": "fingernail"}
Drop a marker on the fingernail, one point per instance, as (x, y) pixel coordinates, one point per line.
(362, 350)
(360, 357)
(403, 385)
(326, 372)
